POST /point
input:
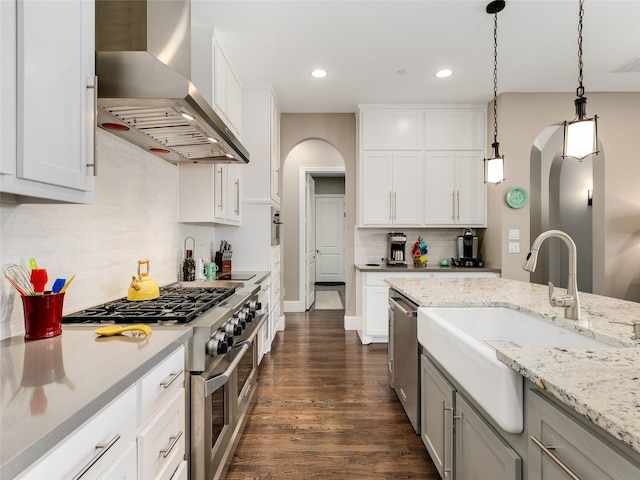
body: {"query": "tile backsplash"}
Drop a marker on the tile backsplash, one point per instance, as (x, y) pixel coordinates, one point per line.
(133, 217)
(371, 243)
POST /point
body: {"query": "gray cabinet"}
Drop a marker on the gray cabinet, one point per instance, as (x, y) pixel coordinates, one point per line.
(480, 453)
(438, 397)
(462, 445)
(561, 448)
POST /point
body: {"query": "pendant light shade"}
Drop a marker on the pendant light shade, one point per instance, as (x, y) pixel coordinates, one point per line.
(581, 133)
(494, 165)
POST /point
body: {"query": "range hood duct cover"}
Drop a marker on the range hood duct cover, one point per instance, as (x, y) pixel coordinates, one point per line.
(143, 63)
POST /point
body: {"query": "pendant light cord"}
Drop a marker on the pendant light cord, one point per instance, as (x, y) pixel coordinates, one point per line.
(495, 77)
(580, 90)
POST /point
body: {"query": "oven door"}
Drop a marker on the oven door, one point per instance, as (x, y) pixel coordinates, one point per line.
(213, 403)
(247, 373)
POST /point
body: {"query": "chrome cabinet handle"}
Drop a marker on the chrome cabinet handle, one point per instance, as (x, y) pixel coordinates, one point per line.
(95, 126)
(395, 205)
(103, 448)
(221, 204)
(449, 471)
(237, 197)
(458, 204)
(173, 376)
(390, 205)
(546, 449)
(174, 440)
(453, 205)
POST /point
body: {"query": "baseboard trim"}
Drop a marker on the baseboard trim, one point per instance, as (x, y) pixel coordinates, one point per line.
(294, 306)
(351, 322)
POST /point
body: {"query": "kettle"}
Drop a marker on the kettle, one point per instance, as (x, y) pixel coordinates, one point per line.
(143, 287)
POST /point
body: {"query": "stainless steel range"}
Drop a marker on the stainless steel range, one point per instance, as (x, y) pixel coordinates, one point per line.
(221, 358)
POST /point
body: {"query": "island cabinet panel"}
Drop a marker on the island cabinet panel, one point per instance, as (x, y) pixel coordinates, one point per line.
(436, 413)
(561, 447)
(480, 452)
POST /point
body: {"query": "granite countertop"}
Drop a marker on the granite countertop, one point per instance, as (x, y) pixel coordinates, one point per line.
(50, 387)
(383, 267)
(602, 385)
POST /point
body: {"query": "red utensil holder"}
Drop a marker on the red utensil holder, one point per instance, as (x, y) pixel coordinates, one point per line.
(42, 315)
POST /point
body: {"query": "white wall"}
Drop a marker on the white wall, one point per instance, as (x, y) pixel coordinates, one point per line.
(133, 217)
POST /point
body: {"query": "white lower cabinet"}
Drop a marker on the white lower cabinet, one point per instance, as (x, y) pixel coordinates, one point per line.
(562, 448)
(91, 449)
(140, 434)
(460, 442)
(374, 326)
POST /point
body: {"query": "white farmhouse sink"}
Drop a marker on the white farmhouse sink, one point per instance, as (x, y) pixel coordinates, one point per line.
(461, 340)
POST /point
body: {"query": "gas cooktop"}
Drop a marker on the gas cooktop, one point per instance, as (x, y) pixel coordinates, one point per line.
(174, 305)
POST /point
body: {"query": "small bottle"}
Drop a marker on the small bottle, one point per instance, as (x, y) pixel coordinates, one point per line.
(188, 268)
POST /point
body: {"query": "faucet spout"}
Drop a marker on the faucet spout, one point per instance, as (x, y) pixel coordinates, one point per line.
(570, 301)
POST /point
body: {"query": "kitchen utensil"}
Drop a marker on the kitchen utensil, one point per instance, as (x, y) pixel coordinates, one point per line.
(66, 285)
(12, 282)
(20, 278)
(33, 264)
(143, 287)
(57, 285)
(39, 278)
(110, 330)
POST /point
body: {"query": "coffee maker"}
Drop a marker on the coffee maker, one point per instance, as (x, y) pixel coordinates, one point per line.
(468, 249)
(396, 243)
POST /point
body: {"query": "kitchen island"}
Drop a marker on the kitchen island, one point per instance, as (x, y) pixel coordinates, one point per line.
(53, 386)
(600, 386)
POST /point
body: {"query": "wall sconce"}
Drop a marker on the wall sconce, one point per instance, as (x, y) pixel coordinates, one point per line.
(589, 197)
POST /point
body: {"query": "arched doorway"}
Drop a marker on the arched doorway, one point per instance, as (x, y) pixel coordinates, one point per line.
(561, 198)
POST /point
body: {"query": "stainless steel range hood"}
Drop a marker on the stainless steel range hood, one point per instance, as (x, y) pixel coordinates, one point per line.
(143, 64)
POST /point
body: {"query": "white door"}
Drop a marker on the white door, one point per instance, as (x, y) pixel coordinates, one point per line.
(330, 238)
(310, 246)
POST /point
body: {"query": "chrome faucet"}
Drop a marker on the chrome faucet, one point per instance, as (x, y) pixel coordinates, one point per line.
(570, 301)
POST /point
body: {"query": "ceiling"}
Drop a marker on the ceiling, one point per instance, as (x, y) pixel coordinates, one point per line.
(367, 45)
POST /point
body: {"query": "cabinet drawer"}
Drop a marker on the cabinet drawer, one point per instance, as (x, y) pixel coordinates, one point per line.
(157, 386)
(124, 467)
(161, 444)
(575, 447)
(182, 473)
(95, 445)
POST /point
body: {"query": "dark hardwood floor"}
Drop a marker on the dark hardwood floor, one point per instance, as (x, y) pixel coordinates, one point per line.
(325, 410)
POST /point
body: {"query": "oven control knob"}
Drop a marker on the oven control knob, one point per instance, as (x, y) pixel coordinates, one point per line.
(249, 314)
(238, 321)
(224, 337)
(243, 316)
(232, 329)
(255, 305)
(215, 347)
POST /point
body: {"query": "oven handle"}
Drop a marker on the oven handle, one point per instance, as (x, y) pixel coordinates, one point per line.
(213, 384)
(249, 340)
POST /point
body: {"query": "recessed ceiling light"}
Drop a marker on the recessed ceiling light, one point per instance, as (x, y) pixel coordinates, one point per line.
(444, 73)
(319, 73)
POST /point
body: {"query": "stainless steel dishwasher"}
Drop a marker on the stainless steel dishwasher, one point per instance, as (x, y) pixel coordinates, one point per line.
(405, 360)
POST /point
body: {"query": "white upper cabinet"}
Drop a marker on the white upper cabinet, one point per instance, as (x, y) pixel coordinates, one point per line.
(421, 166)
(455, 129)
(391, 130)
(227, 93)
(455, 192)
(55, 93)
(391, 188)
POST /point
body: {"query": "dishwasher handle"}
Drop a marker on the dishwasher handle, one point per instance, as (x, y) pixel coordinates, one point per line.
(409, 310)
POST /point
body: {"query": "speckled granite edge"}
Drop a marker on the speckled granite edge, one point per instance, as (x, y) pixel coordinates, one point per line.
(607, 390)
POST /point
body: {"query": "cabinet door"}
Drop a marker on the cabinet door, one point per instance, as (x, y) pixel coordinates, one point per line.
(440, 188)
(375, 314)
(408, 189)
(455, 129)
(55, 83)
(376, 186)
(470, 189)
(234, 102)
(275, 150)
(558, 444)
(391, 130)
(8, 87)
(437, 397)
(480, 452)
(219, 79)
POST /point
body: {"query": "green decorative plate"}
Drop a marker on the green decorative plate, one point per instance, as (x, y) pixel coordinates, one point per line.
(517, 197)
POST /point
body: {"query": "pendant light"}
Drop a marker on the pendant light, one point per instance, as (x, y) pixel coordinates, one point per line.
(581, 133)
(494, 165)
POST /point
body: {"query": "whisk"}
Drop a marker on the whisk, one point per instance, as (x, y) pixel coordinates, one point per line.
(18, 276)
